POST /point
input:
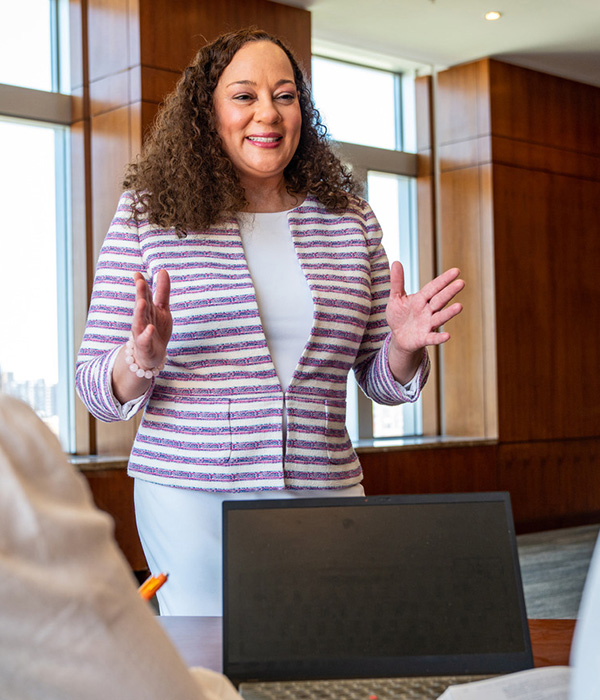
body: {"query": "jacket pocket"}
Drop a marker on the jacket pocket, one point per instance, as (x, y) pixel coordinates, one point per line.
(195, 433)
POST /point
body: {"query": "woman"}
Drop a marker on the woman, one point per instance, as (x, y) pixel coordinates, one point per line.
(260, 281)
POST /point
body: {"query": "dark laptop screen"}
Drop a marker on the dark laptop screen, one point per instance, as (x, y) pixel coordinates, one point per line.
(395, 585)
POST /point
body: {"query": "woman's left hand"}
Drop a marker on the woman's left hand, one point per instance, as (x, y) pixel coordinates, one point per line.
(415, 318)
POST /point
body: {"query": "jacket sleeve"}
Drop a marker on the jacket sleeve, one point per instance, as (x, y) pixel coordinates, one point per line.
(109, 318)
(371, 367)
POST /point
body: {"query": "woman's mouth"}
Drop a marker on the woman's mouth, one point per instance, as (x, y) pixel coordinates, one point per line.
(267, 140)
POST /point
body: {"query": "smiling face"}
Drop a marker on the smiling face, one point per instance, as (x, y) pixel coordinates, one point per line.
(258, 114)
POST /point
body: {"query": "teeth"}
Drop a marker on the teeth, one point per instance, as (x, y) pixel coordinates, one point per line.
(264, 139)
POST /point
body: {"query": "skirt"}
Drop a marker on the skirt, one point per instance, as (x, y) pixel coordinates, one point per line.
(181, 534)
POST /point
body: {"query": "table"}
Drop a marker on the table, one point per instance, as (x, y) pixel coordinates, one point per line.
(199, 640)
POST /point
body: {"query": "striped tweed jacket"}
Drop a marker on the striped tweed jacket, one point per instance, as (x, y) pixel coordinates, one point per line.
(213, 417)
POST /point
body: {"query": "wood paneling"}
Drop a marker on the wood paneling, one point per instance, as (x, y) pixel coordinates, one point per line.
(426, 213)
(463, 379)
(519, 180)
(109, 24)
(113, 492)
(534, 156)
(110, 153)
(430, 470)
(547, 252)
(462, 103)
(552, 483)
(487, 289)
(196, 23)
(538, 108)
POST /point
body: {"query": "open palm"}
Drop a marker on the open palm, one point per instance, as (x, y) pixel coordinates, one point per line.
(152, 323)
(414, 319)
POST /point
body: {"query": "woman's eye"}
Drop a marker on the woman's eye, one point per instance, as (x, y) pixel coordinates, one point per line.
(242, 98)
(286, 97)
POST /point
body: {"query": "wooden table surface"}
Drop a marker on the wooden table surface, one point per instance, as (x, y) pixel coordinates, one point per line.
(199, 640)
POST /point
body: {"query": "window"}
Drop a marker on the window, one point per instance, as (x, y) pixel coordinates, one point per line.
(35, 284)
(370, 113)
(26, 57)
(367, 106)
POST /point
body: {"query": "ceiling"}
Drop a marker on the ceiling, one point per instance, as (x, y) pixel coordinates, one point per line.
(554, 36)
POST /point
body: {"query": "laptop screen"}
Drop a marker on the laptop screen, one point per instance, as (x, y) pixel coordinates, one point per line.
(376, 586)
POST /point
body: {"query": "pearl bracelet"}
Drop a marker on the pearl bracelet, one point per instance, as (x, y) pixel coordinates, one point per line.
(134, 367)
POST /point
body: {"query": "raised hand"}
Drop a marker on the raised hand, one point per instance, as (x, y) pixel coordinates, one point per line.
(414, 319)
(151, 329)
(152, 323)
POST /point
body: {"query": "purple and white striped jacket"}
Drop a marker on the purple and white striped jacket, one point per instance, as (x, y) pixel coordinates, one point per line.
(213, 417)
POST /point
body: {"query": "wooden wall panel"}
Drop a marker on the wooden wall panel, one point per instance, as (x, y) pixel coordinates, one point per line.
(531, 222)
(539, 108)
(426, 214)
(110, 153)
(487, 290)
(552, 483)
(547, 240)
(109, 33)
(462, 103)
(463, 378)
(445, 469)
(113, 492)
(196, 23)
(464, 238)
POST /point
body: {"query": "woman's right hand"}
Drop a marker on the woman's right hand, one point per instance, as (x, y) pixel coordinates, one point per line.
(151, 328)
(152, 323)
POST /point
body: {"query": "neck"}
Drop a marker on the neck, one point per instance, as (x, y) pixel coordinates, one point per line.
(269, 197)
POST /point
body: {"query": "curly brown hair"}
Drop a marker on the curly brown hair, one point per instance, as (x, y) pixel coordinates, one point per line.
(184, 179)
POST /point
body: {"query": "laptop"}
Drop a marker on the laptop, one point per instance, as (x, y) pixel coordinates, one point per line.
(364, 589)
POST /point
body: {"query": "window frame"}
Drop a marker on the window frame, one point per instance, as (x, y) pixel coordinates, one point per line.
(53, 109)
(363, 159)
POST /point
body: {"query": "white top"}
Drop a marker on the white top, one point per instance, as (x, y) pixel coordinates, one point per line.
(284, 300)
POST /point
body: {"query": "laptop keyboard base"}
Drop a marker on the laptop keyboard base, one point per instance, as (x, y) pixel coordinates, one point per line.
(417, 688)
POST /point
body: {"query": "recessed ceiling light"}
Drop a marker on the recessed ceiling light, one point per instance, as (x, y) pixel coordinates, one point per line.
(493, 15)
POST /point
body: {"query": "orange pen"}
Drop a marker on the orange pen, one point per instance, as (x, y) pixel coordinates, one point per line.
(151, 585)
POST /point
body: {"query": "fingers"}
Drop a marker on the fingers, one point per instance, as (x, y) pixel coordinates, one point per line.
(443, 297)
(163, 289)
(440, 283)
(397, 279)
(441, 317)
(142, 290)
(437, 338)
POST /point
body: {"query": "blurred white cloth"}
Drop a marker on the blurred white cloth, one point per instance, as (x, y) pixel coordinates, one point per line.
(72, 624)
(585, 650)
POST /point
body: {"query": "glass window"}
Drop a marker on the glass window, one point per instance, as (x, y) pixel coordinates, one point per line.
(392, 198)
(33, 281)
(383, 118)
(358, 104)
(26, 43)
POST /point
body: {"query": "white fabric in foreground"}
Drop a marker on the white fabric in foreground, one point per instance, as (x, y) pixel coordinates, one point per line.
(72, 624)
(585, 650)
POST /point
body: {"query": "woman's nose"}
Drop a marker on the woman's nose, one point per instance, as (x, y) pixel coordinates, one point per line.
(267, 112)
